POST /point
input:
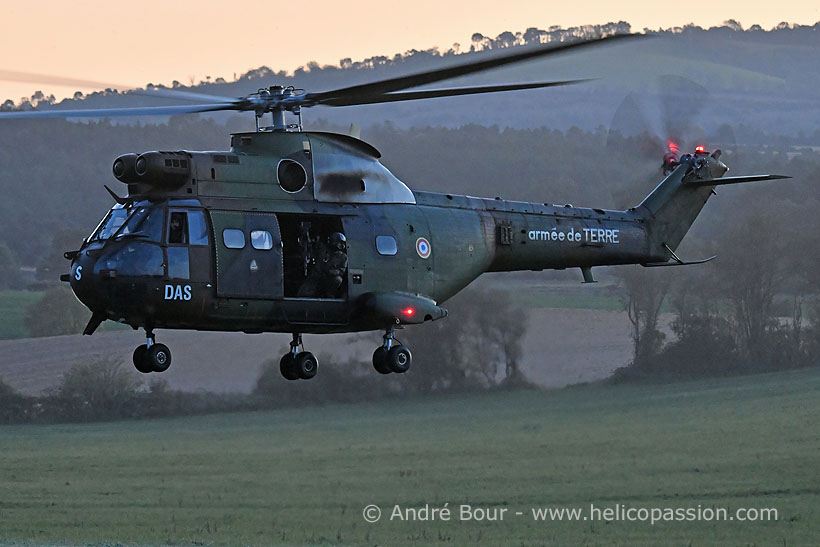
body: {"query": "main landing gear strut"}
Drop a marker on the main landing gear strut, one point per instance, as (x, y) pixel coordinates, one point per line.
(297, 364)
(152, 357)
(391, 357)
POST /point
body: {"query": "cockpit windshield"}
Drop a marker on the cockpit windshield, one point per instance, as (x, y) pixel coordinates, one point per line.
(145, 222)
(134, 220)
(110, 224)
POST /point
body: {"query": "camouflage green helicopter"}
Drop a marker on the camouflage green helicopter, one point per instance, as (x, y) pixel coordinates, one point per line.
(307, 232)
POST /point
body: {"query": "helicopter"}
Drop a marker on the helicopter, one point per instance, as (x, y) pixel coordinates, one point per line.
(307, 232)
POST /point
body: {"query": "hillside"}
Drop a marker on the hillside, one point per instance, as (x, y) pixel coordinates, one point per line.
(763, 78)
(561, 347)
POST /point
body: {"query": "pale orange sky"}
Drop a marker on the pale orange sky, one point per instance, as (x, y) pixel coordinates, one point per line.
(159, 41)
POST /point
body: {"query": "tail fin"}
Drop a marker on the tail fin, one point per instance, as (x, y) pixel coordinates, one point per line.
(672, 207)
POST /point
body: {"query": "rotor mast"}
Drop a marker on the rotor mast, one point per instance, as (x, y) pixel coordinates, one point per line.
(274, 100)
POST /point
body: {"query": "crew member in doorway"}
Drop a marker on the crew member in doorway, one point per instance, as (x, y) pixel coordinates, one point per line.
(336, 265)
(328, 267)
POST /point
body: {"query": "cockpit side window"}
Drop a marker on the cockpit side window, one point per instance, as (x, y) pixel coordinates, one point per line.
(187, 228)
(197, 227)
(178, 228)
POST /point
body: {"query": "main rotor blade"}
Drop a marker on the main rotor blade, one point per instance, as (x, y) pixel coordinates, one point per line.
(111, 112)
(423, 78)
(34, 78)
(437, 93)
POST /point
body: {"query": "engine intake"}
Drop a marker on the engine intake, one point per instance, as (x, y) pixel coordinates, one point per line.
(124, 168)
(164, 169)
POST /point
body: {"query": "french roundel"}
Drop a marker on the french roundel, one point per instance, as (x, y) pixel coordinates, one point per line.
(423, 247)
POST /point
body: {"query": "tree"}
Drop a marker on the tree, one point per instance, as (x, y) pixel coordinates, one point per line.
(644, 292)
(58, 312)
(54, 263)
(10, 277)
(479, 344)
(749, 278)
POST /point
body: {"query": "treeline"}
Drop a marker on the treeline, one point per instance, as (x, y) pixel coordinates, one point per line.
(479, 351)
(755, 309)
(763, 77)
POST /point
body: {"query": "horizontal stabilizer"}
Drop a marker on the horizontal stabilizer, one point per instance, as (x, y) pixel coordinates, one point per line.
(735, 180)
(678, 262)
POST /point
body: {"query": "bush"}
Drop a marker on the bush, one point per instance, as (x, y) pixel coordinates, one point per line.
(477, 347)
(102, 389)
(14, 407)
(335, 383)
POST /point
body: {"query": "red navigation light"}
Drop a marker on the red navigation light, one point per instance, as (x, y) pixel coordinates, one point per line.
(700, 149)
(408, 312)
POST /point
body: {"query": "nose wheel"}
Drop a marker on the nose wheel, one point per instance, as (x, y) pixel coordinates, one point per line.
(152, 357)
(298, 365)
(392, 357)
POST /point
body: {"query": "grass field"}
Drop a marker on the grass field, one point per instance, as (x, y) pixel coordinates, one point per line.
(303, 476)
(13, 307)
(546, 299)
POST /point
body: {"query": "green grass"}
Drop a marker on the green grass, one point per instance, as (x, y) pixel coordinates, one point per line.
(547, 299)
(303, 476)
(13, 307)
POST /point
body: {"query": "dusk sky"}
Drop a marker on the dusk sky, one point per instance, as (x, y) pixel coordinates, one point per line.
(158, 41)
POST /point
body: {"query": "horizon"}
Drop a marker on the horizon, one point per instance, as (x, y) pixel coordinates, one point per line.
(91, 43)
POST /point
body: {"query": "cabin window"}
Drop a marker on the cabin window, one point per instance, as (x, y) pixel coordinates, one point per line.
(233, 239)
(386, 245)
(262, 240)
(291, 175)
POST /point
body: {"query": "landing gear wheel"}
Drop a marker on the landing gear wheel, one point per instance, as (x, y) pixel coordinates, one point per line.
(399, 359)
(158, 357)
(380, 361)
(287, 367)
(306, 365)
(140, 362)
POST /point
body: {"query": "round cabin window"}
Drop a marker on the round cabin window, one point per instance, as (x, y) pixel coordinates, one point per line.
(291, 175)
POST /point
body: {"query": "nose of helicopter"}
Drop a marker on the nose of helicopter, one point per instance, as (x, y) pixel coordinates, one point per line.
(83, 282)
